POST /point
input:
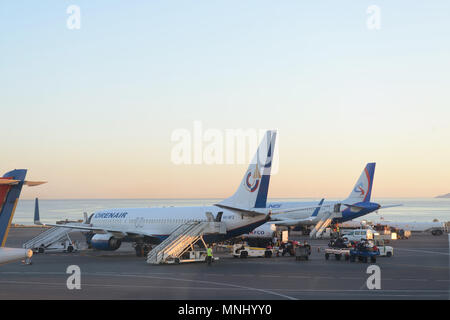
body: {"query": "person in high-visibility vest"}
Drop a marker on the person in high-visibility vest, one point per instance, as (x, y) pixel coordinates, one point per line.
(209, 255)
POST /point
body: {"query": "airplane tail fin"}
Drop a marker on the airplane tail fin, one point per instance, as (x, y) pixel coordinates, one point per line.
(316, 210)
(253, 189)
(10, 187)
(362, 190)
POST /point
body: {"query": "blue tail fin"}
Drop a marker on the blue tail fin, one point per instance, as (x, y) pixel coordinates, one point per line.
(316, 211)
(10, 187)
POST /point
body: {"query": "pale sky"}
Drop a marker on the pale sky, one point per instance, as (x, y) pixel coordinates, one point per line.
(92, 110)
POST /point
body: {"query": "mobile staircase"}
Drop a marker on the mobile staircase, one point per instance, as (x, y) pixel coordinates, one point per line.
(325, 221)
(48, 239)
(52, 238)
(183, 239)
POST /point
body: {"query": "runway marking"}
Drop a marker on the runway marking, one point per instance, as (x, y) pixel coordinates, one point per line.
(212, 274)
(423, 251)
(416, 266)
(212, 282)
(299, 277)
(382, 293)
(120, 285)
(424, 280)
(364, 290)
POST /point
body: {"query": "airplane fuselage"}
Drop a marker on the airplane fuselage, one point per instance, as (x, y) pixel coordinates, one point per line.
(161, 222)
(347, 213)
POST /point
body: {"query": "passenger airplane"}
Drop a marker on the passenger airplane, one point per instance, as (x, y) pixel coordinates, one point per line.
(10, 187)
(357, 204)
(244, 211)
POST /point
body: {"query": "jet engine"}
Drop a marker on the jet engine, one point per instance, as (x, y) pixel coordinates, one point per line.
(105, 242)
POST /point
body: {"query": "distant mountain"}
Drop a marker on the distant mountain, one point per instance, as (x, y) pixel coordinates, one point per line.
(444, 196)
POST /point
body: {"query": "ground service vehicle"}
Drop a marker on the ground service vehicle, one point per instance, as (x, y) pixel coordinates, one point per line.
(363, 251)
(385, 251)
(338, 253)
(359, 234)
(243, 251)
(302, 253)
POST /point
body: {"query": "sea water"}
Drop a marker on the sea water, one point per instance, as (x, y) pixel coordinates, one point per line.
(412, 209)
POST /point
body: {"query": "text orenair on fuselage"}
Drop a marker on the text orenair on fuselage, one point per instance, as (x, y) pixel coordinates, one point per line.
(111, 215)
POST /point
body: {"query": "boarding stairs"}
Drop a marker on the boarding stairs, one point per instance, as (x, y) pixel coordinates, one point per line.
(48, 238)
(182, 239)
(325, 221)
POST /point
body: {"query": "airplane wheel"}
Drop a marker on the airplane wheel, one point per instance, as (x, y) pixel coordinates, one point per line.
(138, 249)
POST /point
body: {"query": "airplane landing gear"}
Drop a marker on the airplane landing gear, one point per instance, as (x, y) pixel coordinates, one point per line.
(142, 249)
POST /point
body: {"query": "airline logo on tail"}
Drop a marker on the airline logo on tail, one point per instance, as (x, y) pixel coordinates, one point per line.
(254, 186)
(360, 189)
(252, 180)
(363, 187)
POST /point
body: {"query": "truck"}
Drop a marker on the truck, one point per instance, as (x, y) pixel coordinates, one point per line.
(364, 251)
(359, 234)
(385, 251)
(244, 251)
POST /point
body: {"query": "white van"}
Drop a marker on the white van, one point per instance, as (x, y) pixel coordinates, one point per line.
(357, 235)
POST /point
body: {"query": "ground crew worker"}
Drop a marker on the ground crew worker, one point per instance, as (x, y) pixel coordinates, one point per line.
(209, 255)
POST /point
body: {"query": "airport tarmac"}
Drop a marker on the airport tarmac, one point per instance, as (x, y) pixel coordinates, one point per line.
(419, 269)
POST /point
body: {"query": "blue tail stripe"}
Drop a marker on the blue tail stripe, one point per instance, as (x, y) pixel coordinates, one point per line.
(316, 211)
(261, 199)
(6, 212)
(371, 172)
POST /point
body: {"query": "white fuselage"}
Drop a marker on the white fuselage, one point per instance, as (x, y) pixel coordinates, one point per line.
(301, 214)
(266, 230)
(161, 222)
(412, 226)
